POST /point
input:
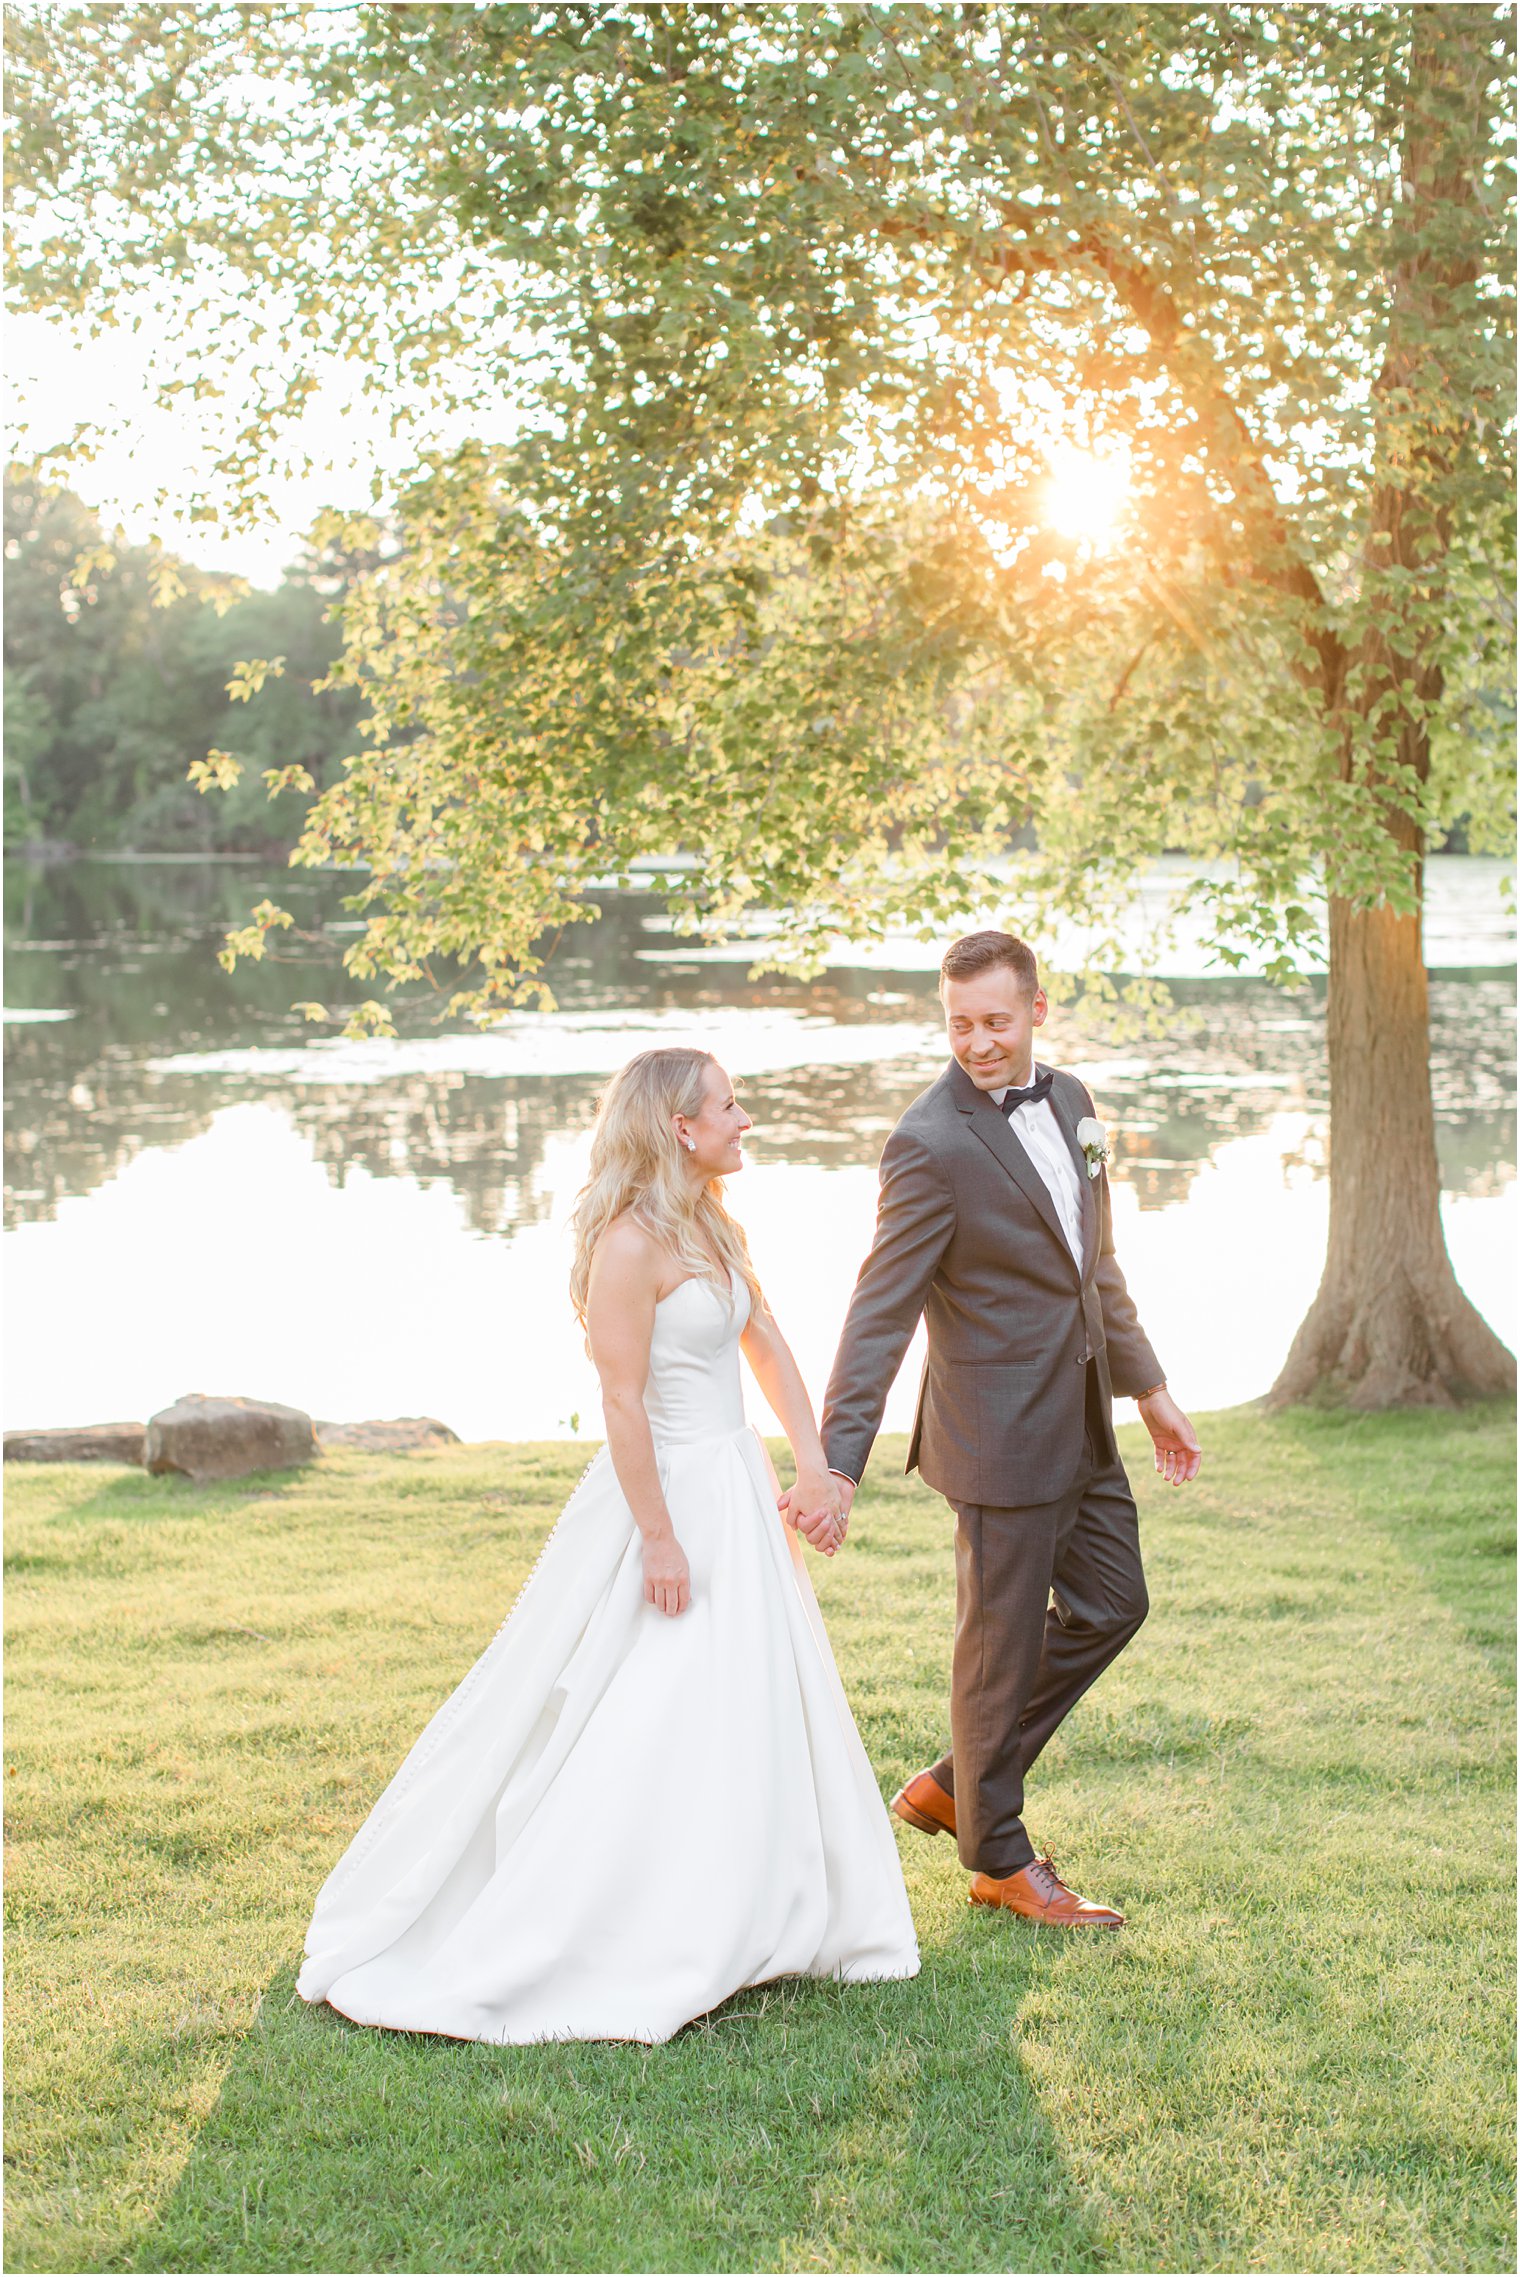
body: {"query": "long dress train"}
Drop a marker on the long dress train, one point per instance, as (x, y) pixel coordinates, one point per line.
(620, 1818)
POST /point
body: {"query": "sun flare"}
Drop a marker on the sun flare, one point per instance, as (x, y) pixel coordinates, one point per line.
(1085, 495)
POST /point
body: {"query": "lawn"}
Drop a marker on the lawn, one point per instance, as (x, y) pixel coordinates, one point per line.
(1297, 1782)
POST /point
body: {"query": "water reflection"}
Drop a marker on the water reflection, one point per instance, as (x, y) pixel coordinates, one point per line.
(148, 1046)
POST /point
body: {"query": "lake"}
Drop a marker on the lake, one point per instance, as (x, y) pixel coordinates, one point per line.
(204, 1194)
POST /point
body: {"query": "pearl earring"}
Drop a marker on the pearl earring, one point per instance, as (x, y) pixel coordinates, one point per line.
(691, 1143)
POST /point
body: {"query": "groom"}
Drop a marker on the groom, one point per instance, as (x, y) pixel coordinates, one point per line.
(994, 1221)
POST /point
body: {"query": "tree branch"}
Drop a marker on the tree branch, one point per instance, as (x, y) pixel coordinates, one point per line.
(1275, 560)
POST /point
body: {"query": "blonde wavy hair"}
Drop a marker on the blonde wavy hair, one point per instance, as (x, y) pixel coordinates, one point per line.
(637, 1167)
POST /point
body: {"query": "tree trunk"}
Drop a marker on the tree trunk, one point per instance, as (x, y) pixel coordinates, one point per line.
(1389, 1326)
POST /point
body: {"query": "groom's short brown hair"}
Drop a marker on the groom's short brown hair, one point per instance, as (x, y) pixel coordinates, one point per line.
(979, 952)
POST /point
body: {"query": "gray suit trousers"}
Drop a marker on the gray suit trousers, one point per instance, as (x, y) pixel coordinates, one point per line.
(1046, 1597)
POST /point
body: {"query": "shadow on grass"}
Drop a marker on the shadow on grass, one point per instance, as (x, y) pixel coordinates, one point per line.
(801, 2126)
(120, 1491)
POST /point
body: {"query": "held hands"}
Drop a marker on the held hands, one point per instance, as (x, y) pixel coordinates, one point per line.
(667, 1576)
(817, 1504)
(1178, 1454)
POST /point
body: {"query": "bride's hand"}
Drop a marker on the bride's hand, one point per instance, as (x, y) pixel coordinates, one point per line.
(815, 1506)
(667, 1576)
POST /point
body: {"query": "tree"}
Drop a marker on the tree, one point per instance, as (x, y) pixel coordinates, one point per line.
(109, 697)
(109, 710)
(795, 308)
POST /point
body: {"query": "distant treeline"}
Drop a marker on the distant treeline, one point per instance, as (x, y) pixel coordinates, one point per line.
(110, 695)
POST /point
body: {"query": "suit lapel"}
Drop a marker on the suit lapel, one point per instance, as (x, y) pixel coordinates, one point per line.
(1066, 1117)
(992, 1127)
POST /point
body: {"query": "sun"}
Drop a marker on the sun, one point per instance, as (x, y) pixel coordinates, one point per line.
(1085, 495)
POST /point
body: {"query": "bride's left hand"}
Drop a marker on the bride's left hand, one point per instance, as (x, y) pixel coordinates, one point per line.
(814, 1506)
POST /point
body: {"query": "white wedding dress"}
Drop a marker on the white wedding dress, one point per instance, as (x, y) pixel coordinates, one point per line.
(620, 1818)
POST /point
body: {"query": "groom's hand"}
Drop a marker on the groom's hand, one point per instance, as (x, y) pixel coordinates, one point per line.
(812, 1505)
(819, 1528)
(1178, 1454)
(847, 1492)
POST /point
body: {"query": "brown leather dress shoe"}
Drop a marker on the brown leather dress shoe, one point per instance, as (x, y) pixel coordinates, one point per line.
(923, 1803)
(1038, 1892)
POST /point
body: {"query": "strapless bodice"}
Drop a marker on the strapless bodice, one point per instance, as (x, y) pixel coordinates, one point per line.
(694, 1389)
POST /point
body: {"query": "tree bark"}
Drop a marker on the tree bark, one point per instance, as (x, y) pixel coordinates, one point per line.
(1390, 1326)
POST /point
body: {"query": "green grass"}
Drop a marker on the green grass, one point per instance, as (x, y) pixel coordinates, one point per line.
(1297, 1782)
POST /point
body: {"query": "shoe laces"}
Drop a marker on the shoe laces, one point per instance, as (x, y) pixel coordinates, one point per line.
(1043, 1858)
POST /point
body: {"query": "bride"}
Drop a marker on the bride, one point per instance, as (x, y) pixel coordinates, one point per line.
(649, 1790)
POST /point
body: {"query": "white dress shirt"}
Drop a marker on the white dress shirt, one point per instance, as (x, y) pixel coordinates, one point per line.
(1034, 1125)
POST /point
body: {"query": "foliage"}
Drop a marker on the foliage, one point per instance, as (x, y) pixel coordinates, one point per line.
(208, 1687)
(792, 310)
(122, 664)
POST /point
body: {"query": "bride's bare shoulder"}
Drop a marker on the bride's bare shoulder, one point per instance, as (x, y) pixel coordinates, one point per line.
(628, 1252)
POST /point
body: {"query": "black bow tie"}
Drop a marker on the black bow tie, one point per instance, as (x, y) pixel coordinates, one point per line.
(1039, 1089)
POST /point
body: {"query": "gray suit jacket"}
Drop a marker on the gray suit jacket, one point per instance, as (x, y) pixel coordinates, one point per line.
(967, 1234)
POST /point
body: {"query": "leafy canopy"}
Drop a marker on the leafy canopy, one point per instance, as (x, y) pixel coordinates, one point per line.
(769, 325)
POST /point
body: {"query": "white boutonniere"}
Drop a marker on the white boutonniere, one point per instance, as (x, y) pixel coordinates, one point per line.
(1092, 1138)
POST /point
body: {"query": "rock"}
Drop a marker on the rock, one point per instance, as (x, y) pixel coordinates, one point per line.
(396, 1437)
(90, 1443)
(227, 1438)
